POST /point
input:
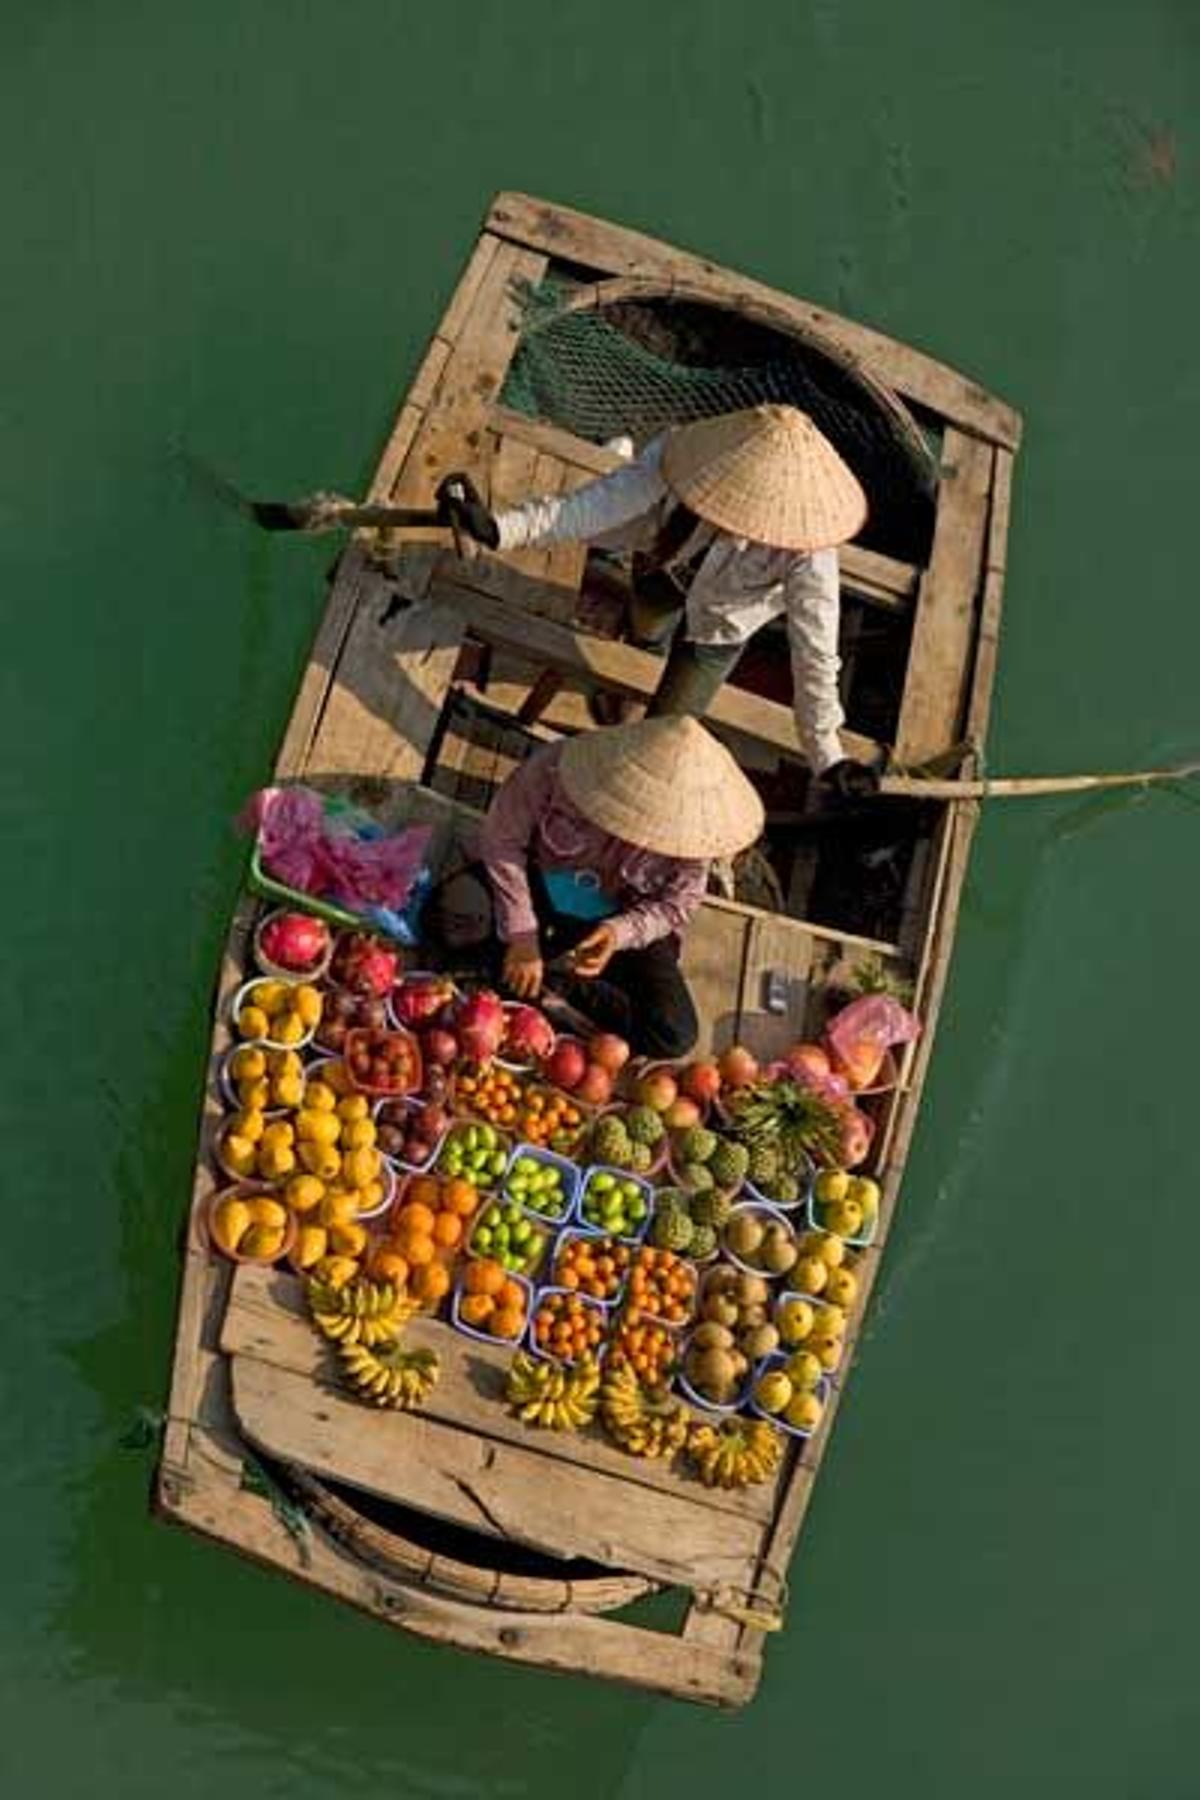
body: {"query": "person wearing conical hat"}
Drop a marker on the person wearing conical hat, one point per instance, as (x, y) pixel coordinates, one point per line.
(733, 521)
(597, 850)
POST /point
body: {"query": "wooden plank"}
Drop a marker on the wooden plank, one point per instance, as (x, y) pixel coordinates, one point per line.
(935, 684)
(353, 573)
(213, 1505)
(499, 1490)
(988, 639)
(782, 946)
(462, 301)
(883, 580)
(265, 1319)
(612, 249)
(714, 948)
(608, 664)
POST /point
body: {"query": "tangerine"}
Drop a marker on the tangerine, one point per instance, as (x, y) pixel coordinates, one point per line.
(417, 1247)
(414, 1215)
(424, 1190)
(459, 1196)
(476, 1309)
(447, 1230)
(387, 1264)
(431, 1282)
(484, 1276)
(511, 1296)
(507, 1322)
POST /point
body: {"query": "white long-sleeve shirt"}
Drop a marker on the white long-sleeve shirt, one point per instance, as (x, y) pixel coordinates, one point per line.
(737, 589)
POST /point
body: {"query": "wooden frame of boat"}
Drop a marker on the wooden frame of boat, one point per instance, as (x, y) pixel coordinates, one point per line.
(557, 1543)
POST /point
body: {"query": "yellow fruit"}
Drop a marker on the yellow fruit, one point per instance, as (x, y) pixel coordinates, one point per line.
(303, 1192)
(866, 1196)
(287, 1090)
(321, 1160)
(265, 1211)
(337, 1076)
(284, 1062)
(230, 1220)
(312, 1243)
(307, 1003)
(371, 1195)
(824, 1244)
(804, 1369)
(287, 1028)
(359, 1134)
(252, 1022)
(320, 1097)
(336, 1270)
(360, 1166)
(254, 1093)
(805, 1412)
(845, 1217)
(278, 1131)
(832, 1184)
(832, 1320)
(826, 1346)
(276, 1161)
(354, 1106)
(238, 1153)
(347, 1240)
(248, 1063)
(339, 1207)
(318, 1127)
(271, 996)
(810, 1275)
(249, 1124)
(842, 1286)
(263, 1242)
(773, 1391)
(795, 1320)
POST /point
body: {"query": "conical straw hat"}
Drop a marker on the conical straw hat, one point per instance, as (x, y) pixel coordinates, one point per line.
(768, 474)
(664, 784)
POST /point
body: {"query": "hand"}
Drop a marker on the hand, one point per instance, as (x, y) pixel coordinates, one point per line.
(591, 954)
(848, 781)
(523, 968)
(459, 503)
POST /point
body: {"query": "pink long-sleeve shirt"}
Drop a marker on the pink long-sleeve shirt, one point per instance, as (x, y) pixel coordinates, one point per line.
(531, 821)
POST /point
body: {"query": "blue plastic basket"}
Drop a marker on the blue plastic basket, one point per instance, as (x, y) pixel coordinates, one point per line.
(586, 1225)
(822, 1389)
(487, 1337)
(571, 1176)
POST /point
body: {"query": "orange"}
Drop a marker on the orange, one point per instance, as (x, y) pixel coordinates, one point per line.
(511, 1296)
(414, 1215)
(476, 1309)
(386, 1264)
(417, 1247)
(447, 1230)
(431, 1282)
(507, 1322)
(484, 1276)
(459, 1196)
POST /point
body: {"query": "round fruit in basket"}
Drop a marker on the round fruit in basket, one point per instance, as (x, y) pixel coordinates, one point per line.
(294, 942)
(385, 1062)
(250, 1227)
(491, 1300)
(476, 1152)
(615, 1203)
(540, 1185)
(364, 962)
(566, 1326)
(662, 1284)
(650, 1348)
(506, 1234)
(595, 1266)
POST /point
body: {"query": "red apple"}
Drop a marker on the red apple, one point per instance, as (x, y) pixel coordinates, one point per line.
(566, 1064)
(609, 1050)
(658, 1090)
(681, 1114)
(701, 1081)
(738, 1067)
(595, 1089)
(440, 1046)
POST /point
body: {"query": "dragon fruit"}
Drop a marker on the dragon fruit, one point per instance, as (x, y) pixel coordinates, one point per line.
(528, 1034)
(479, 1025)
(294, 941)
(364, 964)
(420, 998)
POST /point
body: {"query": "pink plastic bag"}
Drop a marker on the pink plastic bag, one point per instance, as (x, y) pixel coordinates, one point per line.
(861, 1035)
(323, 852)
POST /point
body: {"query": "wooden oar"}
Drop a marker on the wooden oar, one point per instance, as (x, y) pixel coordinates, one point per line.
(316, 512)
(923, 787)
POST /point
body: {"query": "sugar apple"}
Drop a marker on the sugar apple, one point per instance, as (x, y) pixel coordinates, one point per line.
(729, 1163)
(697, 1176)
(696, 1144)
(641, 1159)
(711, 1208)
(704, 1241)
(671, 1229)
(610, 1140)
(644, 1125)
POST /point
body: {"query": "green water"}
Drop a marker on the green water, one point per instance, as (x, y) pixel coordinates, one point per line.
(233, 227)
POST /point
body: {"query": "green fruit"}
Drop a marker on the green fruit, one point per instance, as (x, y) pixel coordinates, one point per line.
(704, 1241)
(671, 1229)
(644, 1126)
(729, 1164)
(697, 1144)
(711, 1208)
(697, 1176)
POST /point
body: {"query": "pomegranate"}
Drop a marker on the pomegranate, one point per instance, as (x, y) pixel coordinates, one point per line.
(681, 1114)
(566, 1064)
(701, 1081)
(420, 998)
(808, 1063)
(294, 941)
(596, 1087)
(658, 1090)
(857, 1132)
(738, 1067)
(439, 1046)
(363, 963)
(479, 1025)
(528, 1035)
(609, 1050)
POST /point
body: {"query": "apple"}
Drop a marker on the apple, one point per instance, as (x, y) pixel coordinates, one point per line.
(440, 1046)
(609, 1050)
(701, 1081)
(681, 1114)
(566, 1064)
(738, 1067)
(595, 1088)
(809, 1062)
(658, 1090)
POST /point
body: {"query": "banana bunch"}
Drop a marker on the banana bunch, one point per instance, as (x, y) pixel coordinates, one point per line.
(390, 1376)
(735, 1454)
(644, 1421)
(545, 1393)
(362, 1312)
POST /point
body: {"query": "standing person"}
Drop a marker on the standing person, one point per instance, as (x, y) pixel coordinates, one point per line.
(596, 851)
(733, 521)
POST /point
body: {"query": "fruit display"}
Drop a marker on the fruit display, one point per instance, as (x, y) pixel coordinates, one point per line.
(736, 1453)
(346, 1011)
(260, 1080)
(592, 1265)
(547, 1395)
(543, 1184)
(661, 1285)
(615, 1203)
(528, 1036)
(567, 1326)
(786, 1391)
(359, 1311)
(426, 1231)
(477, 1021)
(633, 1139)
(249, 1226)
(383, 1062)
(759, 1239)
(328, 1139)
(390, 1376)
(651, 1348)
(643, 1419)
(479, 1153)
(489, 1093)
(410, 1132)
(364, 963)
(786, 1126)
(822, 1268)
(702, 1162)
(490, 1302)
(282, 1013)
(293, 944)
(588, 1071)
(535, 1113)
(507, 1233)
(421, 1001)
(845, 1204)
(714, 1370)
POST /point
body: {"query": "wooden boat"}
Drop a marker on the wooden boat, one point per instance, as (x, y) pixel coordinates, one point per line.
(458, 1524)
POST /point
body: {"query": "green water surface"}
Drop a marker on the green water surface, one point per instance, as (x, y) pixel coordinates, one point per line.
(233, 227)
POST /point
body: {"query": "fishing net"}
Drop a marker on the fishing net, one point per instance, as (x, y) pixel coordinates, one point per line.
(635, 368)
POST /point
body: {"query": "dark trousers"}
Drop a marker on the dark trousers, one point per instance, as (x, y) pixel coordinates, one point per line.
(695, 673)
(641, 994)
